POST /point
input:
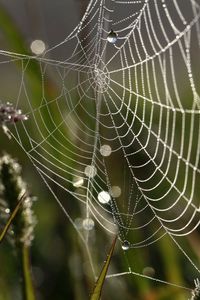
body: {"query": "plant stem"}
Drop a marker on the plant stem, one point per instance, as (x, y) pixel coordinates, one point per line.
(28, 285)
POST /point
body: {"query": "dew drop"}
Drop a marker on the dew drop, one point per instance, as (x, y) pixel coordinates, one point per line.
(37, 47)
(90, 171)
(78, 222)
(126, 245)
(105, 150)
(104, 197)
(78, 182)
(88, 224)
(112, 37)
(7, 210)
(115, 191)
(148, 271)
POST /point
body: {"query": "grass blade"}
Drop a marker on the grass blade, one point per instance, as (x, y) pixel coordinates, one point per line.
(2, 235)
(100, 281)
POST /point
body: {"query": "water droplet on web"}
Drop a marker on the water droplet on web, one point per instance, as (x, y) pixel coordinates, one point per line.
(105, 150)
(125, 245)
(104, 197)
(115, 191)
(148, 271)
(88, 224)
(78, 222)
(112, 37)
(7, 210)
(78, 182)
(37, 47)
(90, 171)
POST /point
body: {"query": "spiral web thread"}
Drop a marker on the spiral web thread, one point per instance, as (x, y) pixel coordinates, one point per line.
(124, 119)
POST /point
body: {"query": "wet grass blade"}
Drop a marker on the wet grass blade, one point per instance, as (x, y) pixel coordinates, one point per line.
(100, 281)
(2, 235)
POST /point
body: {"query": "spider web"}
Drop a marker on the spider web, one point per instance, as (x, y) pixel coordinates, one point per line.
(119, 131)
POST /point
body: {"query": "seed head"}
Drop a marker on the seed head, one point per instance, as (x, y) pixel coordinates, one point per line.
(196, 291)
(10, 115)
(13, 187)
